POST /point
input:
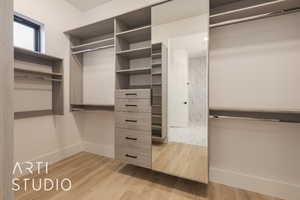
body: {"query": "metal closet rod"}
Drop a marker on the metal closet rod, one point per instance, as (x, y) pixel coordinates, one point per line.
(251, 119)
(38, 78)
(256, 17)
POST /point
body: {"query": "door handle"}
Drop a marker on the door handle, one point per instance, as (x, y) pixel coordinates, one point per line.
(133, 121)
(130, 138)
(130, 156)
(130, 105)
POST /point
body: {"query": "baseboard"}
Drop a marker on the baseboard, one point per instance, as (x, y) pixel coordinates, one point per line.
(52, 157)
(99, 149)
(256, 184)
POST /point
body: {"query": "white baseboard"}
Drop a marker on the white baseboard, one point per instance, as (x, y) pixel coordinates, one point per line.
(99, 149)
(51, 157)
(256, 184)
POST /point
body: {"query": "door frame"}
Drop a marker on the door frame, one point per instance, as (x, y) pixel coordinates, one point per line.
(6, 99)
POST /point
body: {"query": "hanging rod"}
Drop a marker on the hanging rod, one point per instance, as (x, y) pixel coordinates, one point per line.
(243, 118)
(39, 78)
(256, 17)
(93, 49)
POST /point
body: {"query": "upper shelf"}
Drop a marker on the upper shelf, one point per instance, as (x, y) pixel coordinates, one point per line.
(136, 35)
(37, 72)
(247, 9)
(277, 115)
(20, 52)
(103, 42)
(93, 30)
(136, 53)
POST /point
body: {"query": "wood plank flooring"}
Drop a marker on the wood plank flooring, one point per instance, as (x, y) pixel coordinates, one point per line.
(95, 178)
(182, 160)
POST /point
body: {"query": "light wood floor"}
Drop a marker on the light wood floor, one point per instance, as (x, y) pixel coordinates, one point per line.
(182, 160)
(98, 178)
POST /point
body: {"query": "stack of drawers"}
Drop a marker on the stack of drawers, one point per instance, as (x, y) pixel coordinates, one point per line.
(133, 127)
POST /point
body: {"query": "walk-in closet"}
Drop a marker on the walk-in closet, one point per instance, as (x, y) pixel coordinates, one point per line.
(149, 99)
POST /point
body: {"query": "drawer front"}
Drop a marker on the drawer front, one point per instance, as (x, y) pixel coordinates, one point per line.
(133, 121)
(133, 94)
(133, 157)
(139, 140)
(133, 105)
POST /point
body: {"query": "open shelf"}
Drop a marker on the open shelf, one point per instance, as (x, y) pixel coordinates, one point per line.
(156, 55)
(136, 35)
(156, 116)
(272, 115)
(248, 9)
(145, 70)
(89, 107)
(136, 53)
(95, 44)
(37, 72)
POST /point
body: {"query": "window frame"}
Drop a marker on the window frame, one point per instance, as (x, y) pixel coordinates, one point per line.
(35, 27)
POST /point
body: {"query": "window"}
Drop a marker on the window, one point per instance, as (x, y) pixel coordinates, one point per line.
(27, 34)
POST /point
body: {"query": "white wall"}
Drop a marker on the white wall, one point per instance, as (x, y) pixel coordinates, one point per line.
(49, 138)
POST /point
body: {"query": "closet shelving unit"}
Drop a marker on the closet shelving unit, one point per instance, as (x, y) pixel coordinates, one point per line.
(133, 50)
(243, 11)
(93, 37)
(54, 75)
(159, 74)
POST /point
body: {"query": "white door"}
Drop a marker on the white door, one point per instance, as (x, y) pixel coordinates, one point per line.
(178, 111)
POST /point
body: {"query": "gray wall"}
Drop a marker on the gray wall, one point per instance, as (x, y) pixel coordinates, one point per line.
(6, 87)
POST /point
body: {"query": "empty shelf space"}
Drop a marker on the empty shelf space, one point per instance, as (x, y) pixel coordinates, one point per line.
(156, 74)
(247, 10)
(145, 70)
(156, 55)
(37, 72)
(90, 107)
(156, 116)
(136, 53)
(156, 84)
(270, 115)
(156, 64)
(104, 42)
(156, 126)
(136, 35)
(93, 49)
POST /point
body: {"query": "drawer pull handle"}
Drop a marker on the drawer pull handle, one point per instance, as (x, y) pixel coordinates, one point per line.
(130, 156)
(130, 105)
(129, 138)
(134, 121)
(131, 94)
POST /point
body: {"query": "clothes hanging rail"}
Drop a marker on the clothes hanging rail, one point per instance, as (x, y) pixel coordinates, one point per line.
(257, 115)
(37, 78)
(256, 17)
(93, 49)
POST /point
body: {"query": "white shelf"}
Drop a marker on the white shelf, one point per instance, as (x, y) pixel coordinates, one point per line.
(145, 70)
(136, 53)
(136, 35)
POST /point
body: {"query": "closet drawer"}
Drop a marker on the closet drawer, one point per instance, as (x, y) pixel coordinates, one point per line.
(135, 121)
(139, 140)
(133, 157)
(133, 105)
(133, 94)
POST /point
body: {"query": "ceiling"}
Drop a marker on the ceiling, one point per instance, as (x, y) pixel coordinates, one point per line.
(85, 5)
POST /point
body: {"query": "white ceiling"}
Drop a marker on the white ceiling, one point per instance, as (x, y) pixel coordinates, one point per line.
(85, 5)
